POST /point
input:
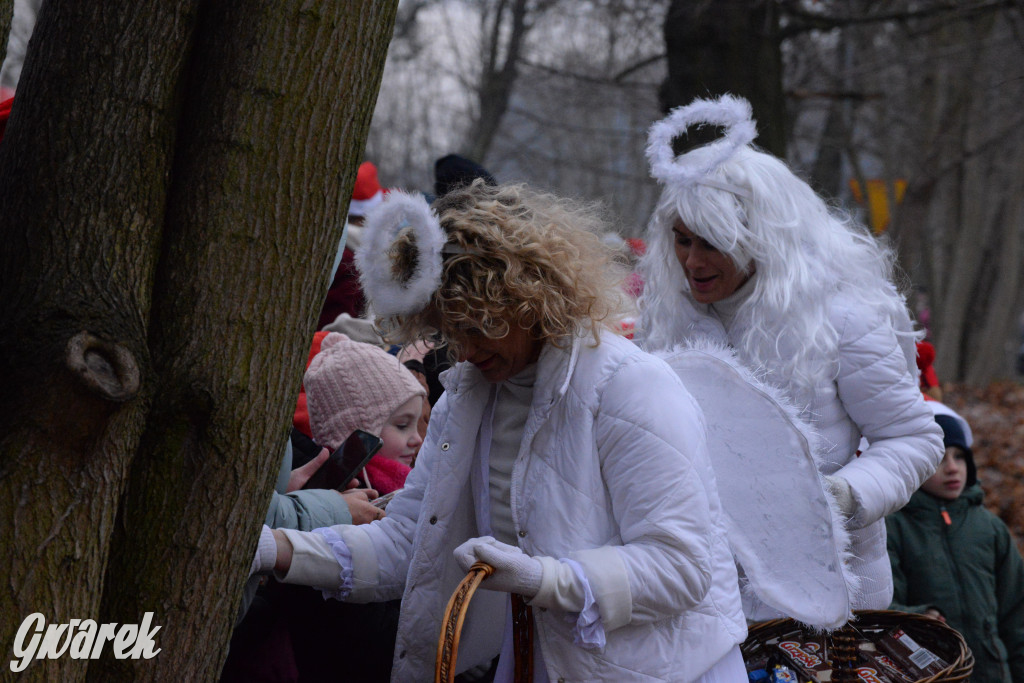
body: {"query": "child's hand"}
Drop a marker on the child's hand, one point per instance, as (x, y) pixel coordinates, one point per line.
(935, 614)
(300, 475)
(359, 505)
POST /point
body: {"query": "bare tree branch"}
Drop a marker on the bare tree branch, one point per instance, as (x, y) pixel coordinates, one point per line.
(642, 64)
(586, 78)
(805, 21)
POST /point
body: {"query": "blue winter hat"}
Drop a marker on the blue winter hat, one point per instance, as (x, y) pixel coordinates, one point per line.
(953, 435)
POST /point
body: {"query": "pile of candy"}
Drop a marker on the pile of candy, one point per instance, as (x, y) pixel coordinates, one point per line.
(882, 655)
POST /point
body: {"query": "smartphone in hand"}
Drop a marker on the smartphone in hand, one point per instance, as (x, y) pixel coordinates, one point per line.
(344, 463)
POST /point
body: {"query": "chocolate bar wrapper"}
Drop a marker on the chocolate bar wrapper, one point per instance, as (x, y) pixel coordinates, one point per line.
(914, 659)
(783, 674)
(795, 634)
(886, 665)
(871, 674)
(808, 657)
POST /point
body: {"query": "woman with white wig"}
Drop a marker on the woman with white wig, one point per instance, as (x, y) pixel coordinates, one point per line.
(742, 250)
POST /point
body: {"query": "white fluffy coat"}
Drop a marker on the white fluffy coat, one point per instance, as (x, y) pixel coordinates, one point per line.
(613, 473)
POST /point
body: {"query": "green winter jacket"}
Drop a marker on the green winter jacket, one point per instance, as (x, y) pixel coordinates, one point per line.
(970, 570)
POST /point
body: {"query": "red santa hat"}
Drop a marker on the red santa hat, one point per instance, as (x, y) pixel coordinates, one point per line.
(5, 113)
(367, 193)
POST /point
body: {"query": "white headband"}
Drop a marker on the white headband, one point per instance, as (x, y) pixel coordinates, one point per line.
(388, 294)
(730, 112)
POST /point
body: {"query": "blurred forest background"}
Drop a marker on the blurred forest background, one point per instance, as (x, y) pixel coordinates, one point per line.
(150, 243)
(919, 101)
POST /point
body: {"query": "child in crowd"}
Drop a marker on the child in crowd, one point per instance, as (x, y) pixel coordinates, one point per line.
(351, 385)
(955, 560)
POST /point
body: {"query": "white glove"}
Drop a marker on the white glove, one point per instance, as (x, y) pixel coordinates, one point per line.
(266, 553)
(514, 570)
(843, 494)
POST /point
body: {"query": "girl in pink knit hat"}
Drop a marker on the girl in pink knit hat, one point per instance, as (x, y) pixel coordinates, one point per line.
(351, 385)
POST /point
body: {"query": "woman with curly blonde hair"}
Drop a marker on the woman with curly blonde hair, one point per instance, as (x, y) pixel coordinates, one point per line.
(550, 272)
(560, 454)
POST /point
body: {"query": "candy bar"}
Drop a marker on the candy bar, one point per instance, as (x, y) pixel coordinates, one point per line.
(913, 658)
(886, 665)
(807, 657)
(783, 674)
(870, 674)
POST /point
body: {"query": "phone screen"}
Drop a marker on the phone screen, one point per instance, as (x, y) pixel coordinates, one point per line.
(343, 464)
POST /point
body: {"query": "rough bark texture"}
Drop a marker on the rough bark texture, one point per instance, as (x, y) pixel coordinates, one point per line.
(80, 217)
(178, 195)
(727, 46)
(6, 11)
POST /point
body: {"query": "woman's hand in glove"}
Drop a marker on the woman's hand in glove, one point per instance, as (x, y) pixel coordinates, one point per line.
(514, 570)
(843, 495)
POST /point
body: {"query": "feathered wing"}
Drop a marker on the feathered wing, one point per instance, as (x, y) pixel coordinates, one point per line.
(784, 528)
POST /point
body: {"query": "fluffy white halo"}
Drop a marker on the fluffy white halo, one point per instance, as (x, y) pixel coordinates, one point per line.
(388, 295)
(731, 112)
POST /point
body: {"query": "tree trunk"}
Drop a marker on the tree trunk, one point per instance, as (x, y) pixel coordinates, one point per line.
(6, 12)
(83, 178)
(178, 196)
(728, 46)
(498, 74)
(960, 225)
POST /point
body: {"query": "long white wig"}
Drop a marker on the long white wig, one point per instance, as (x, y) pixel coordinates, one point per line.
(752, 207)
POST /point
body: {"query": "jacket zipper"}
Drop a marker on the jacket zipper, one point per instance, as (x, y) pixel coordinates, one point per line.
(949, 554)
(945, 516)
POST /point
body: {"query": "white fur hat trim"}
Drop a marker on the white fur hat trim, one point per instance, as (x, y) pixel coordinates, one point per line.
(388, 295)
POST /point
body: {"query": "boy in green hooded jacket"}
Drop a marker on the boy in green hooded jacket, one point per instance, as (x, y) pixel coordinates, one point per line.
(955, 560)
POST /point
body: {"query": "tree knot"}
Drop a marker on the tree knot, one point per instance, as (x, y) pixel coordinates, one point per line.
(105, 368)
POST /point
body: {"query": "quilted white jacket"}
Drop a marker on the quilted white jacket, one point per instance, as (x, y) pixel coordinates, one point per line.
(612, 473)
(874, 394)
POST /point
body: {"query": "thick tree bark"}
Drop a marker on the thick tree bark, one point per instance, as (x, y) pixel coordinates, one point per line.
(6, 12)
(173, 183)
(83, 178)
(728, 46)
(255, 214)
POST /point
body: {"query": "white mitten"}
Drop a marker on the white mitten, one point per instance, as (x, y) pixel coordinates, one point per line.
(843, 495)
(514, 570)
(266, 553)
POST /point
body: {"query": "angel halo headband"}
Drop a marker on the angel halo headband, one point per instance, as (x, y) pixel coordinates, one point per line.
(389, 294)
(728, 111)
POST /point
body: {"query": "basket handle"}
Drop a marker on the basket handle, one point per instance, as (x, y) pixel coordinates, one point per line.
(455, 614)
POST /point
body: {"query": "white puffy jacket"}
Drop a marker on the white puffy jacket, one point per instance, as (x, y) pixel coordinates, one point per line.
(874, 394)
(612, 473)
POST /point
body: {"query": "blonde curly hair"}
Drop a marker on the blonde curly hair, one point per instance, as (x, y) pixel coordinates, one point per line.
(522, 258)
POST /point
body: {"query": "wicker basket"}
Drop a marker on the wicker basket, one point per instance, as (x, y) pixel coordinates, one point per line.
(455, 614)
(930, 633)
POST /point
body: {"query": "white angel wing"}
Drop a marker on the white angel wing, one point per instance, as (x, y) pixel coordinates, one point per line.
(783, 527)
